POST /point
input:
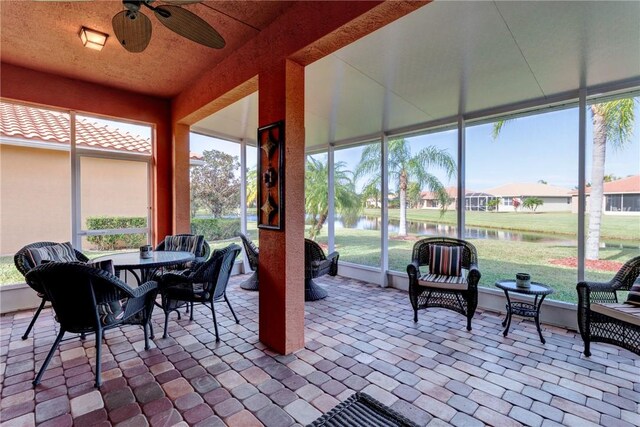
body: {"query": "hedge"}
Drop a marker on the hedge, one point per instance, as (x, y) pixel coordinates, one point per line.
(116, 241)
(211, 228)
(216, 228)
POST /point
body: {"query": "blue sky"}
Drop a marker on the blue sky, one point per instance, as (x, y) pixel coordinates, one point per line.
(528, 149)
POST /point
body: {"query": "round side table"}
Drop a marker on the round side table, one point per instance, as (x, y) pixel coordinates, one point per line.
(524, 309)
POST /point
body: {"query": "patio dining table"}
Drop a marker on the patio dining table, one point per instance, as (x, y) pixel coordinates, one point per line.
(148, 267)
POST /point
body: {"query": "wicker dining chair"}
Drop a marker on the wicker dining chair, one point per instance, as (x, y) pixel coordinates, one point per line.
(205, 285)
(251, 252)
(24, 263)
(201, 254)
(457, 293)
(86, 299)
(317, 264)
(597, 326)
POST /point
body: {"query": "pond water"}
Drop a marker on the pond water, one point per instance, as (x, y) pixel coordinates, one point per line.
(424, 228)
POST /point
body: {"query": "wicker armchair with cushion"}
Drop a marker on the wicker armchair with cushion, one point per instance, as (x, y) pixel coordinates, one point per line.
(601, 318)
(452, 278)
(317, 264)
(196, 244)
(33, 255)
(205, 285)
(87, 299)
(252, 253)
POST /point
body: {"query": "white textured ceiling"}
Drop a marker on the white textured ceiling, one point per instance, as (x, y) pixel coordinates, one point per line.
(453, 57)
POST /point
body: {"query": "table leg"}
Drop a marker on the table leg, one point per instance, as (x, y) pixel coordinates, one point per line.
(537, 318)
(507, 321)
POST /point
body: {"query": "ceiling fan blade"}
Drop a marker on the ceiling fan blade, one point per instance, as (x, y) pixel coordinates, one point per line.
(180, 2)
(189, 25)
(133, 30)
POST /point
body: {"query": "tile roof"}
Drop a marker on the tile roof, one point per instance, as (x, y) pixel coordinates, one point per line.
(451, 191)
(36, 124)
(49, 126)
(630, 184)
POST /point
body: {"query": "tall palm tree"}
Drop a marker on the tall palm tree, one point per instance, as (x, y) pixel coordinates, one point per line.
(403, 166)
(612, 122)
(346, 199)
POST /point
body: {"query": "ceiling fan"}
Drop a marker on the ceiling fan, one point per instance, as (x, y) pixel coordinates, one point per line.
(133, 28)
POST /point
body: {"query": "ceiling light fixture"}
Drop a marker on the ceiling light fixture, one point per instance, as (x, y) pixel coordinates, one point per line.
(92, 39)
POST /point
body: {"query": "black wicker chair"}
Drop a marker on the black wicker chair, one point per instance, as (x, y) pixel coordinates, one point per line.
(205, 285)
(251, 252)
(201, 256)
(82, 298)
(597, 326)
(24, 264)
(462, 298)
(316, 264)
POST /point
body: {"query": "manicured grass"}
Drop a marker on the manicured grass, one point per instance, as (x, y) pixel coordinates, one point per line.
(614, 227)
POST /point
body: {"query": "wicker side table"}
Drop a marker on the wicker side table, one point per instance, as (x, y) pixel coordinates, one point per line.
(524, 309)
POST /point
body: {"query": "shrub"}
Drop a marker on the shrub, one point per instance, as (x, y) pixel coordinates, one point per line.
(116, 241)
(216, 228)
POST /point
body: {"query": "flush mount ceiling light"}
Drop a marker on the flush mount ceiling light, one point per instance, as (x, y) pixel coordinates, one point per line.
(92, 39)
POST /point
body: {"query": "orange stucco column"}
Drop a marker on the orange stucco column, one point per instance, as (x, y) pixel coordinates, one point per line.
(181, 183)
(281, 265)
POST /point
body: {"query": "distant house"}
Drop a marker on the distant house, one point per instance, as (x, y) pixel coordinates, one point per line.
(621, 197)
(554, 198)
(474, 201)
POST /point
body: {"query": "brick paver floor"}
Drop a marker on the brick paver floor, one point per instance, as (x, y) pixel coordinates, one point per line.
(360, 338)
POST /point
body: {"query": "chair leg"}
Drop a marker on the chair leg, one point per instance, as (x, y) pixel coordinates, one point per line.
(166, 323)
(98, 356)
(191, 312)
(587, 348)
(36, 381)
(146, 334)
(215, 322)
(231, 308)
(415, 315)
(151, 334)
(33, 321)
(468, 323)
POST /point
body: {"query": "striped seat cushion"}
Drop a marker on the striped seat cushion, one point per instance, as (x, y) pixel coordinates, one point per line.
(634, 294)
(191, 244)
(445, 260)
(60, 252)
(458, 283)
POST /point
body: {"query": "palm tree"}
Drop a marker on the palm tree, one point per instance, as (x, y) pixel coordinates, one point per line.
(252, 186)
(346, 199)
(402, 167)
(612, 122)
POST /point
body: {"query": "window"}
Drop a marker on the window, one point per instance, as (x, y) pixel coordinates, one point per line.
(91, 188)
(113, 169)
(215, 189)
(357, 203)
(316, 190)
(422, 191)
(35, 181)
(532, 167)
(612, 223)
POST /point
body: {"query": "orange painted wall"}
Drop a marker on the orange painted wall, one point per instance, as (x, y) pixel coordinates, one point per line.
(36, 87)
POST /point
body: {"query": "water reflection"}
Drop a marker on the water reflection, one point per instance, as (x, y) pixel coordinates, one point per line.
(423, 228)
